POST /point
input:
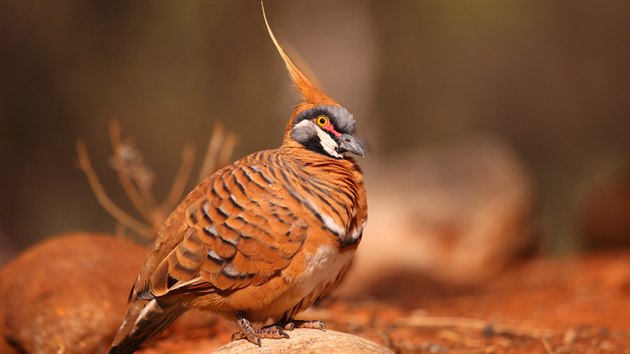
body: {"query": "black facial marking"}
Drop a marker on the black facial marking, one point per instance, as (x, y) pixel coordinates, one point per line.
(314, 144)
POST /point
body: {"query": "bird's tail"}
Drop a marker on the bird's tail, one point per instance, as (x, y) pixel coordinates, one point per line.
(144, 319)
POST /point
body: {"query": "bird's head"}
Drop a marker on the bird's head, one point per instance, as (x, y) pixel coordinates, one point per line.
(318, 123)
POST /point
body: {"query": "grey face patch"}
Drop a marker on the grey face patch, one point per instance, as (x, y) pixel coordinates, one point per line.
(303, 131)
(343, 120)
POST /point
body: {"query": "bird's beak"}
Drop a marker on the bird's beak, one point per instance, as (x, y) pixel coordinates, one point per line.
(348, 143)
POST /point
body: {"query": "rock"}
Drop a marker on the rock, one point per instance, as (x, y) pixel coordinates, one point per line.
(456, 214)
(67, 294)
(5, 347)
(605, 213)
(307, 341)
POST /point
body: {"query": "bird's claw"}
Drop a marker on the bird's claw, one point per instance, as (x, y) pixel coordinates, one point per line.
(254, 335)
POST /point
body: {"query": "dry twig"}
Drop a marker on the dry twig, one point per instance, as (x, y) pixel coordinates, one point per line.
(101, 196)
(124, 156)
(179, 183)
(137, 179)
(220, 148)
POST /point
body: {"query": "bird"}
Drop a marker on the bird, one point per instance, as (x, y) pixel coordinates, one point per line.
(263, 238)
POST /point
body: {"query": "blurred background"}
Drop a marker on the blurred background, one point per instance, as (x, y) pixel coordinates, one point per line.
(495, 128)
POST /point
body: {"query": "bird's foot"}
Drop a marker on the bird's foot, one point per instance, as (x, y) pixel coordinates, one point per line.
(292, 324)
(254, 335)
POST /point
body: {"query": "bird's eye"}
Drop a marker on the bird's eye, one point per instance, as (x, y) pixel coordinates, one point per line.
(322, 121)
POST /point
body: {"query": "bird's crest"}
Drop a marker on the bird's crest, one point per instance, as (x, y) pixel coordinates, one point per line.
(313, 95)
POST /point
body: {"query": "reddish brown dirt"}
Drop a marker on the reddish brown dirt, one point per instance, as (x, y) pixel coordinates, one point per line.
(571, 305)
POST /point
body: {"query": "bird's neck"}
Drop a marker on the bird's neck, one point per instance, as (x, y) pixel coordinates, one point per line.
(295, 150)
(345, 171)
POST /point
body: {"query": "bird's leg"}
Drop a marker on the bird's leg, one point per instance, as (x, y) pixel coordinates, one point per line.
(254, 335)
(292, 324)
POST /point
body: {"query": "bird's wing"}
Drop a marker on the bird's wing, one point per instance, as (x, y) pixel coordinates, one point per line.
(244, 230)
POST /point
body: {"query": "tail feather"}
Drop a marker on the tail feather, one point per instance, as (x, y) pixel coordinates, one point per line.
(143, 320)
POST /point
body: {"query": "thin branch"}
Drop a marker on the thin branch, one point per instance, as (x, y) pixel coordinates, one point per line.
(219, 152)
(142, 178)
(227, 148)
(179, 183)
(136, 179)
(142, 204)
(101, 196)
(210, 160)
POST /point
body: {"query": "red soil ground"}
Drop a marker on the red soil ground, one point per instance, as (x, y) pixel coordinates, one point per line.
(571, 305)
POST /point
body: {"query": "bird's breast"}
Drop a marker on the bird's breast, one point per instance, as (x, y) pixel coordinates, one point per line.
(323, 266)
(321, 271)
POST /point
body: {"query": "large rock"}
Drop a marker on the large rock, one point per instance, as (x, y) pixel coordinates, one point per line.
(307, 341)
(604, 217)
(67, 294)
(457, 214)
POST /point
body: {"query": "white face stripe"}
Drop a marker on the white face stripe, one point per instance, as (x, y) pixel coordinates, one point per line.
(329, 145)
